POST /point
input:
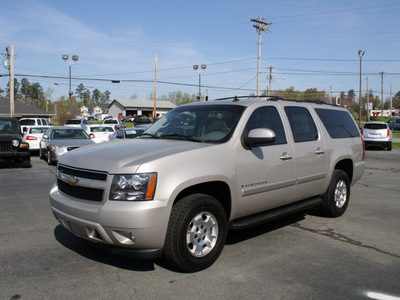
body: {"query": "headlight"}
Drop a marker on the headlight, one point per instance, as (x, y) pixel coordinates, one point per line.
(133, 187)
(15, 143)
(57, 149)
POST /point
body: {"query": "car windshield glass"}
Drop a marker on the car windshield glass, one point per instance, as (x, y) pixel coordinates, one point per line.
(130, 134)
(9, 125)
(63, 134)
(102, 129)
(39, 130)
(73, 122)
(210, 123)
(109, 121)
(375, 126)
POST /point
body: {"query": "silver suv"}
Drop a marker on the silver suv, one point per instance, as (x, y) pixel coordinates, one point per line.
(206, 168)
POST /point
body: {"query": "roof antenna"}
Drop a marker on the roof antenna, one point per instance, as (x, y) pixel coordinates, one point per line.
(235, 99)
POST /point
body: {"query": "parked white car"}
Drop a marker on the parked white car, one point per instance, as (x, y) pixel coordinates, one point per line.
(115, 123)
(32, 136)
(377, 134)
(99, 133)
(27, 122)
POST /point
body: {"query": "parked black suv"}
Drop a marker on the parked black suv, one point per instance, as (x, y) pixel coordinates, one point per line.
(11, 145)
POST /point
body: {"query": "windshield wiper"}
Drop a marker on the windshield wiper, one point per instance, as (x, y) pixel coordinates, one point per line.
(181, 136)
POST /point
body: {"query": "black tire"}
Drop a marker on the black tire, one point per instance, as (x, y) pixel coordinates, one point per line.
(41, 156)
(337, 197)
(26, 163)
(49, 161)
(389, 146)
(196, 233)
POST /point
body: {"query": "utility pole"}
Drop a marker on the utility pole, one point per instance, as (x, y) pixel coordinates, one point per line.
(382, 92)
(155, 92)
(391, 101)
(10, 60)
(270, 77)
(260, 27)
(360, 54)
(368, 100)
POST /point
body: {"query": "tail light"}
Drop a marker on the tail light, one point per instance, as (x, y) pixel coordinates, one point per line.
(388, 133)
(31, 138)
(362, 132)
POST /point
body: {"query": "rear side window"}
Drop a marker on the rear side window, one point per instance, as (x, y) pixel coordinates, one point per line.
(339, 124)
(375, 126)
(302, 124)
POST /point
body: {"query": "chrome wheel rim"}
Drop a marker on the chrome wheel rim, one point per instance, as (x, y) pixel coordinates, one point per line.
(340, 194)
(202, 234)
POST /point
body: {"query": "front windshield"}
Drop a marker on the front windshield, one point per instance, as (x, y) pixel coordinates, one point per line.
(66, 134)
(9, 125)
(210, 123)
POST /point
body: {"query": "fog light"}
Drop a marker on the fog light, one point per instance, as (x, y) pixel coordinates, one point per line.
(124, 237)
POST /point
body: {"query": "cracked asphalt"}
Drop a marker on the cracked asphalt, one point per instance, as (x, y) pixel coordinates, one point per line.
(303, 256)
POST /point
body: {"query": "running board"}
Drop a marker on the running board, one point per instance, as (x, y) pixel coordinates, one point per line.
(275, 213)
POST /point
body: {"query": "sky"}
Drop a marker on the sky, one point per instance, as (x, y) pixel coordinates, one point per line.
(310, 44)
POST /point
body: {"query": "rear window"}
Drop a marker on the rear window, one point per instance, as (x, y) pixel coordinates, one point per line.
(110, 121)
(375, 126)
(338, 123)
(73, 122)
(27, 122)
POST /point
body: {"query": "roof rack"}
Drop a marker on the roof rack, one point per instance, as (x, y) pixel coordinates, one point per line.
(274, 98)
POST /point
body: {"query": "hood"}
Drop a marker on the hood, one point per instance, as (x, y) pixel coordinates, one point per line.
(10, 134)
(125, 156)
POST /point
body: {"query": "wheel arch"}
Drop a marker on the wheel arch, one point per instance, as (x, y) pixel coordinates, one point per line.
(217, 189)
(347, 166)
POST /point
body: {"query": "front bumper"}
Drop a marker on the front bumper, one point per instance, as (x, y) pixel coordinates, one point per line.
(132, 228)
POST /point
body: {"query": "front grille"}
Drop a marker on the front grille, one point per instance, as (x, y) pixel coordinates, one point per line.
(89, 174)
(80, 183)
(80, 192)
(5, 145)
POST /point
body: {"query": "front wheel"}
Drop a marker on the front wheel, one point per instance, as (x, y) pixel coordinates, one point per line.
(196, 234)
(336, 199)
(49, 161)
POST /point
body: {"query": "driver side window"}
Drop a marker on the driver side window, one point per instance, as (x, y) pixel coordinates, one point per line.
(267, 117)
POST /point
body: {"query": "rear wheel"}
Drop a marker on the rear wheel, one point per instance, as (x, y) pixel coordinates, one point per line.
(336, 199)
(196, 233)
(389, 146)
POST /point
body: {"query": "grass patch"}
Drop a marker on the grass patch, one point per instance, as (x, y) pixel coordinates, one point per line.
(396, 134)
(396, 145)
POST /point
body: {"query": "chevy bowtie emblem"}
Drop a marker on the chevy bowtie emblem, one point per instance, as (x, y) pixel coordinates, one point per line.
(72, 180)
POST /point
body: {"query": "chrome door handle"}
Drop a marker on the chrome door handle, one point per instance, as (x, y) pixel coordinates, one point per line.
(286, 156)
(319, 151)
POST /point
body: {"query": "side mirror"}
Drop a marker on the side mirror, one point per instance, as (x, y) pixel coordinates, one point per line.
(259, 137)
(45, 136)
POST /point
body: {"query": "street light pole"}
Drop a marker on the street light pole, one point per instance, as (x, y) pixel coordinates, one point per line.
(360, 54)
(74, 60)
(202, 68)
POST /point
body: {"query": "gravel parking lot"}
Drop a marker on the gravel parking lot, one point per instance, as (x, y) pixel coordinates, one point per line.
(304, 256)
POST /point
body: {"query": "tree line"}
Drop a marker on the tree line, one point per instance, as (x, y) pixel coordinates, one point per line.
(32, 93)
